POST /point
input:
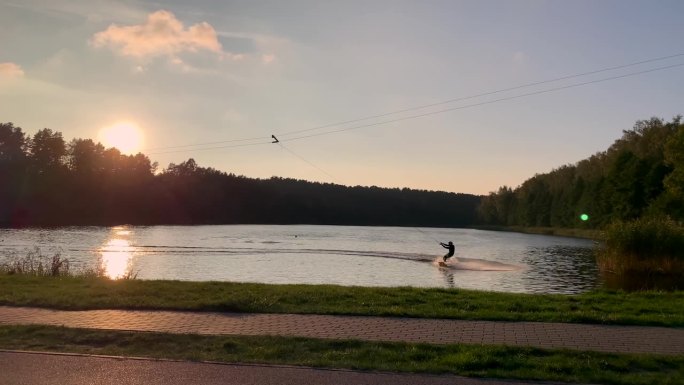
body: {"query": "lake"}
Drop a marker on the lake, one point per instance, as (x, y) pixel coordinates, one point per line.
(312, 254)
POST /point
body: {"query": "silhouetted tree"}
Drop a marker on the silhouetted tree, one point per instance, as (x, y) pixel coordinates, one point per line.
(47, 151)
(13, 146)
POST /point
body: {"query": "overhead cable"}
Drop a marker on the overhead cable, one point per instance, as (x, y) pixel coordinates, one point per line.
(482, 103)
(264, 139)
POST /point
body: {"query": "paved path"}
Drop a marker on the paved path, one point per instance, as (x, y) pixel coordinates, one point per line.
(20, 368)
(603, 338)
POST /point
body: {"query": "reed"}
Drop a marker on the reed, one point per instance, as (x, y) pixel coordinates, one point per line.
(645, 245)
(34, 263)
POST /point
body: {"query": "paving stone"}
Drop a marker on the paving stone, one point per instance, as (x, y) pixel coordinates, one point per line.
(603, 338)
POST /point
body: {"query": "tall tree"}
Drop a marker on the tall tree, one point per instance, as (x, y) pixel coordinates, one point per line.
(47, 151)
(13, 144)
(674, 182)
(85, 157)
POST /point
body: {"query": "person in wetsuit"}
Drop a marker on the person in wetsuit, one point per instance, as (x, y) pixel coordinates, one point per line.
(451, 248)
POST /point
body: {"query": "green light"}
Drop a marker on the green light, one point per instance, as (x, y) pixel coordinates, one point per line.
(584, 217)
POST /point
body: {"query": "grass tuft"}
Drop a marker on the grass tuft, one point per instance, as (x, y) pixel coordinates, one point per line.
(34, 263)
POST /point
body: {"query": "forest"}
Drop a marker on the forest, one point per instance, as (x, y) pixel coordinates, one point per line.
(46, 181)
(639, 175)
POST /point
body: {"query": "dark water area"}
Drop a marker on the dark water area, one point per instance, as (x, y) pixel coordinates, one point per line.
(573, 265)
(643, 281)
(309, 254)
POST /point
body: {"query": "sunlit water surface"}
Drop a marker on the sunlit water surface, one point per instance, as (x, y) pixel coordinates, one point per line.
(342, 255)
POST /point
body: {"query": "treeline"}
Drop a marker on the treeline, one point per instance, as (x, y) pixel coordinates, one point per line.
(641, 174)
(45, 181)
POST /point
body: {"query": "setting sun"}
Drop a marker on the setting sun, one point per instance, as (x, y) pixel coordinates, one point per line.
(126, 136)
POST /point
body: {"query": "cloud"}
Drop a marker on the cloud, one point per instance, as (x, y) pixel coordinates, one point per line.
(266, 48)
(10, 70)
(162, 34)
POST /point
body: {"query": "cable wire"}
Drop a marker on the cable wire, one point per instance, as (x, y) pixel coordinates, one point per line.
(482, 103)
(208, 143)
(483, 94)
(267, 139)
(335, 180)
(210, 148)
(309, 163)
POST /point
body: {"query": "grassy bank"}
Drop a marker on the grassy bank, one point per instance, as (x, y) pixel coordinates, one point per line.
(473, 361)
(558, 231)
(638, 308)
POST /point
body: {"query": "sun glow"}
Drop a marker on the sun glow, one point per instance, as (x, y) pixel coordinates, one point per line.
(116, 258)
(126, 136)
(116, 255)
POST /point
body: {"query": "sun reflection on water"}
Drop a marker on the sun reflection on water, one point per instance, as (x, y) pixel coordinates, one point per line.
(117, 255)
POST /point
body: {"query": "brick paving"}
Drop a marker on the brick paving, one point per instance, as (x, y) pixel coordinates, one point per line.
(602, 338)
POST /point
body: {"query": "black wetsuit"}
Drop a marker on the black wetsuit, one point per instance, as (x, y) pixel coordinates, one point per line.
(451, 248)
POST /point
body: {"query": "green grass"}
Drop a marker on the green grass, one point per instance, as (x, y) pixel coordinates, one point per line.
(603, 307)
(466, 360)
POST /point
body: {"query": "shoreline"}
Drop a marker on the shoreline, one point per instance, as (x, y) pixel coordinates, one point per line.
(592, 234)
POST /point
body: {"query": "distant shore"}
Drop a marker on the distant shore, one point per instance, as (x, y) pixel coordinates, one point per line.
(557, 231)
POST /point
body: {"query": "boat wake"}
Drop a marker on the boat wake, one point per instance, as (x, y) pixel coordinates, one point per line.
(455, 263)
(474, 264)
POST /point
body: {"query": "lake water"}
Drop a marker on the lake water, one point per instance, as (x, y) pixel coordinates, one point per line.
(342, 255)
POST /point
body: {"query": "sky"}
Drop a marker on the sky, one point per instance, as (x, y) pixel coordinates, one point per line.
(233, 73)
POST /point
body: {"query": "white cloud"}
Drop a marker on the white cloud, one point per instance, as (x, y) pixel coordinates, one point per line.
(11, 70)
(162, 34)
